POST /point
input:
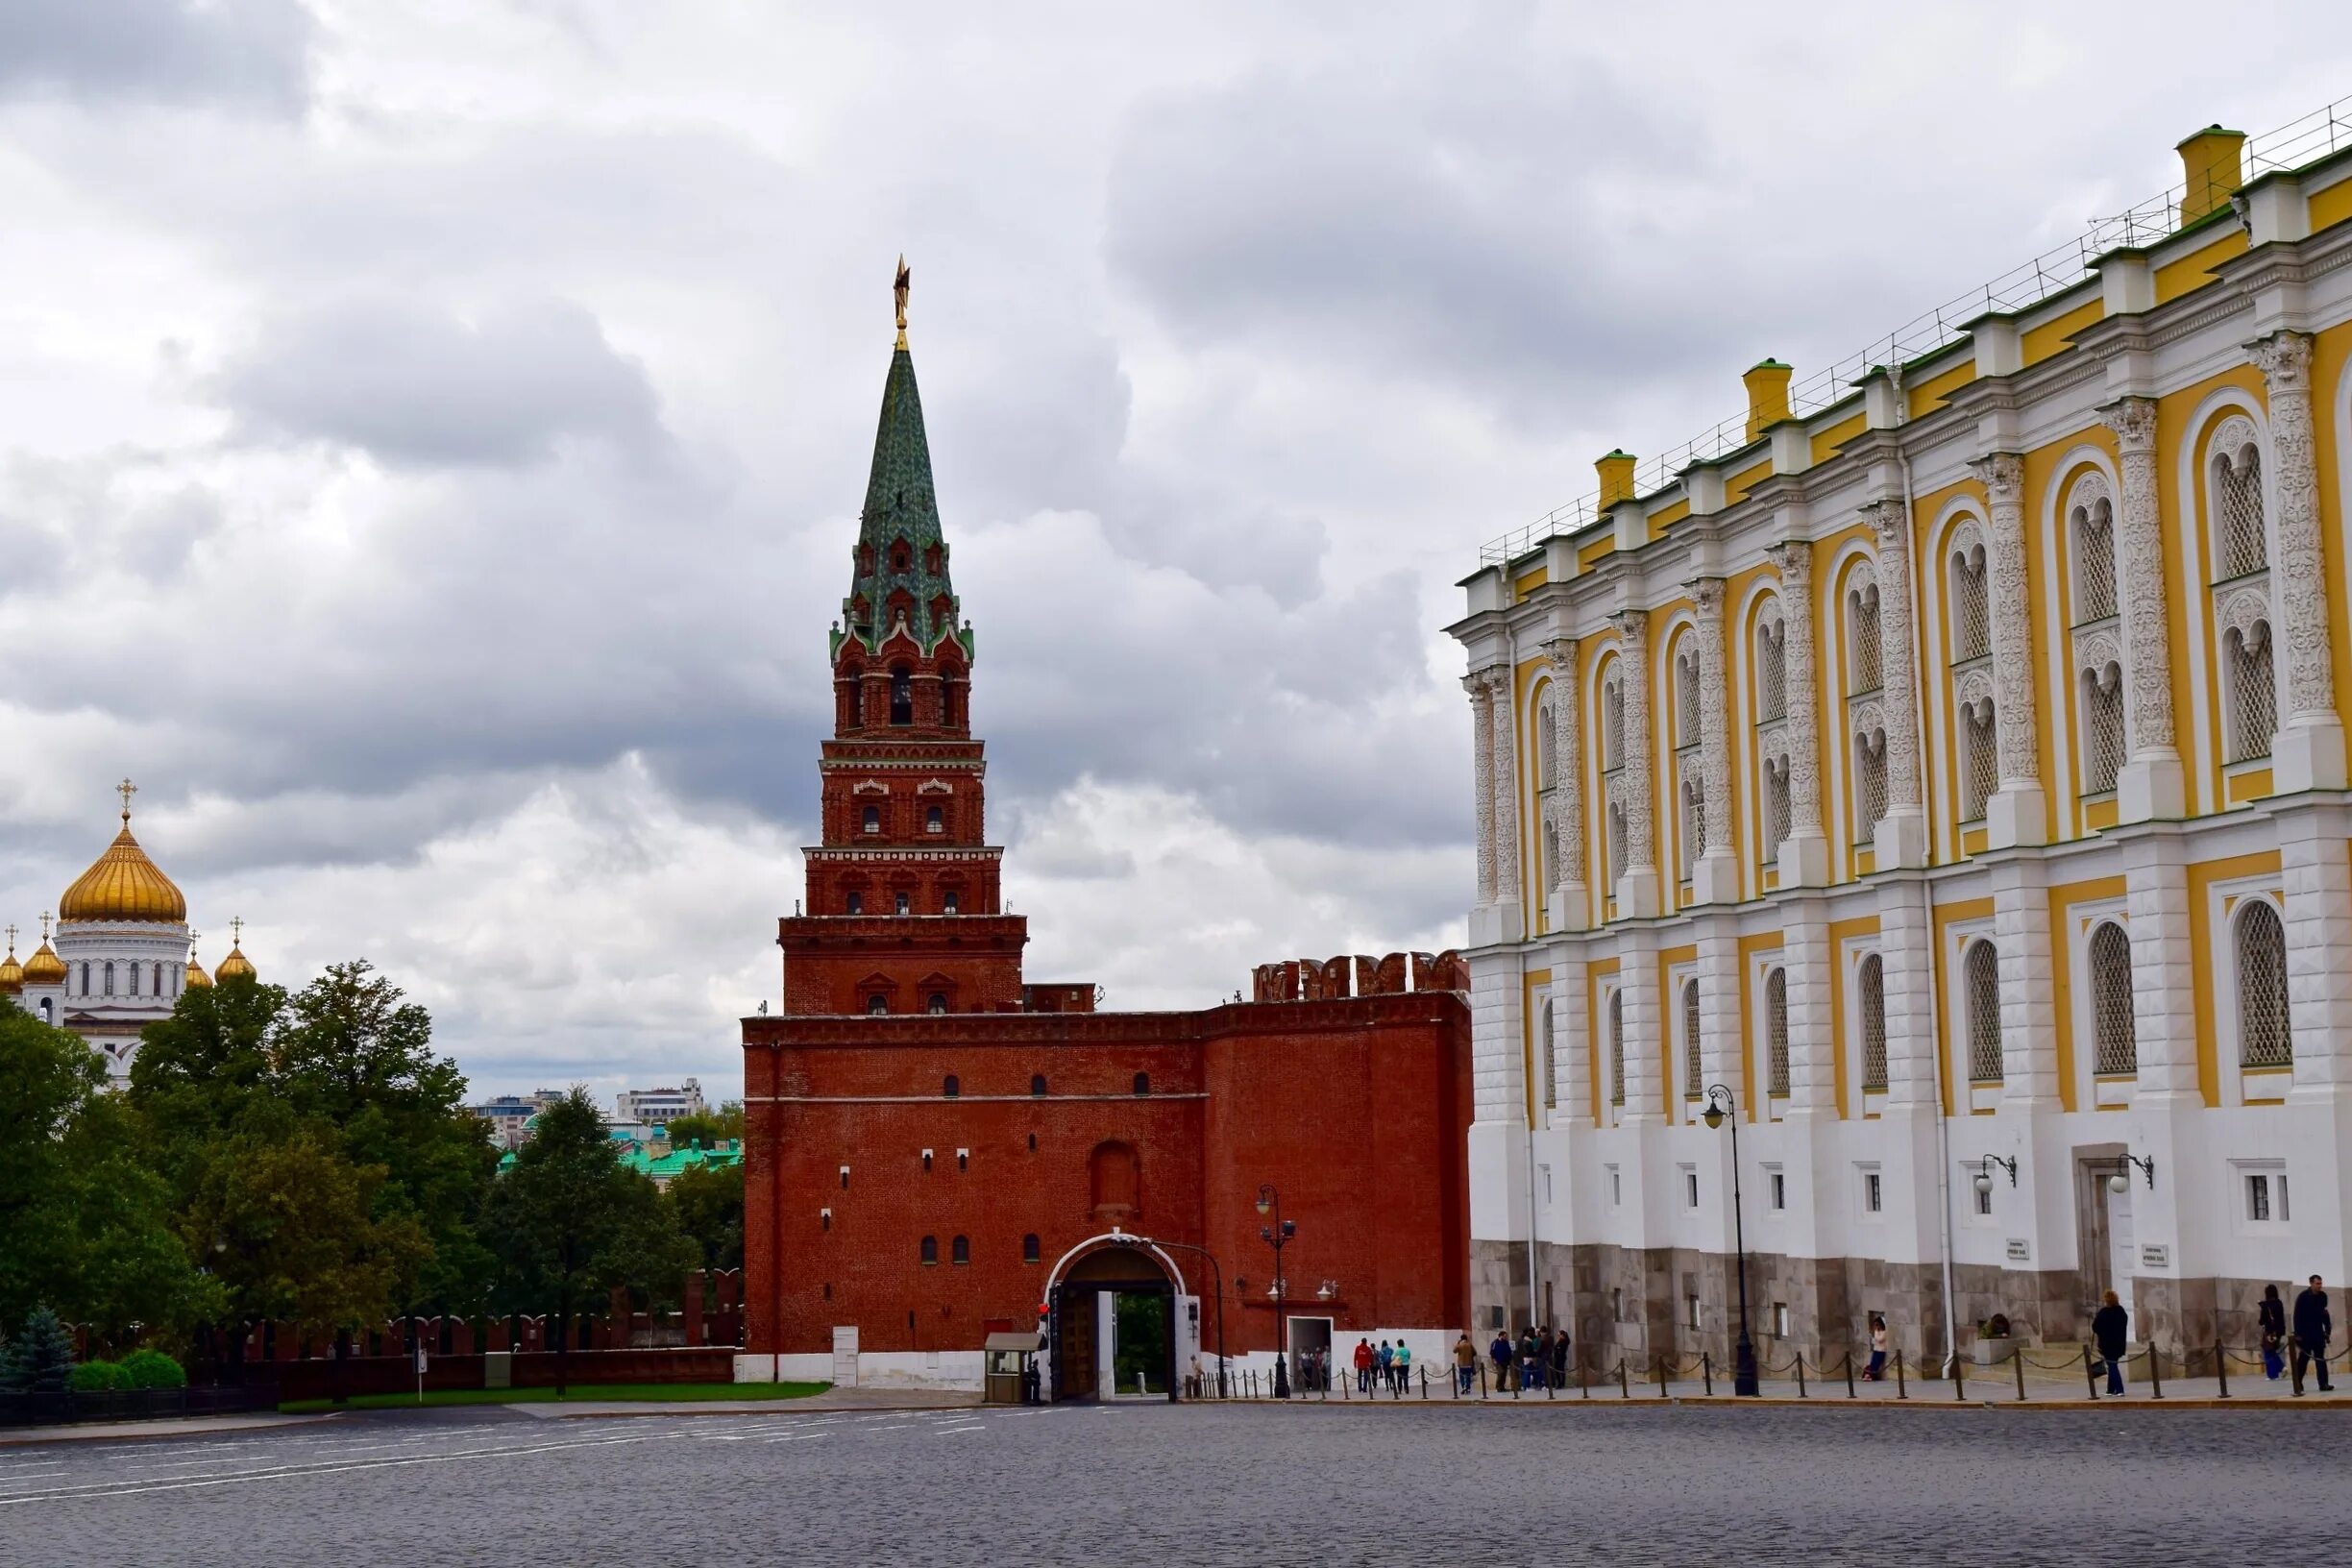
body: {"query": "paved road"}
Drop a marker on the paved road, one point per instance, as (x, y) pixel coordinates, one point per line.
(1203, 1483)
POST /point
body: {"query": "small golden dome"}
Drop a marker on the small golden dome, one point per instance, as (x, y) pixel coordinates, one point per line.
(44, 968)
(123, 884)
(236, 964)
(12, 972)
(197, 979)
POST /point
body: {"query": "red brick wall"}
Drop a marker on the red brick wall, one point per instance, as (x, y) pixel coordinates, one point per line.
(827, 962)
(1358, 1109)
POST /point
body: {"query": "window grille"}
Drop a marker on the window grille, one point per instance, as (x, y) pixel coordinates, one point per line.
(1771, 672)
(2237, 500)
(1686, 702)
(1871, 783)
(1775, 1033)
(2102, 706)
(1984, 1025)
(1870, 984)
(1616, 840)
(1694, 828)
(1981, 775)
(1551, 1066)
(1971, 610)
(2263, 1034)
(1616, 1026)
(1862, 618)
(1612, 725)
(2253, 691)
(1548, 872)
(1546, 730)
(2094, 564)
(1776, 806)
(2116, 1041)
(1692, 1071)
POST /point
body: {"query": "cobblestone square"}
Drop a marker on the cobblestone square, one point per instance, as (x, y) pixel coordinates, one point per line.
(1438, 1483)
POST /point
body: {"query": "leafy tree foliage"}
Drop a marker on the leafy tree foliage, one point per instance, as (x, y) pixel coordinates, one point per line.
(712, 1127)
(42, 1357)
(568, 1221)
(709, 1203)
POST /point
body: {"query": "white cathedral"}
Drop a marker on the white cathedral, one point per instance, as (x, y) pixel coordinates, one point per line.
(123, 956)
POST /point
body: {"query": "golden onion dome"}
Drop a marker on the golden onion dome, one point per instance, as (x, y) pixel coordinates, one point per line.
(12, 972)
(123, 884)
(44, 968)
(197, 979)
(236, 964)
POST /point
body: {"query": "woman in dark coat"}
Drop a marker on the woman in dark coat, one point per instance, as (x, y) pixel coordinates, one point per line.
(2107, 1330)
(2271, 1319)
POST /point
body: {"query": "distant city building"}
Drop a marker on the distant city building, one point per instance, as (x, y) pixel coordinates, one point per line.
(510, 1116)
(659, 1107)
(124, 952)
(648, 1153)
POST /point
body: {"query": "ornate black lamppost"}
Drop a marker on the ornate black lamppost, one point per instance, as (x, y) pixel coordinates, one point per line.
(1719, 1109)
(1277, 1234)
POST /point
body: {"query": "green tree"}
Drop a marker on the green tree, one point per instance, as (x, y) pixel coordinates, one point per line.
(42, 1359)
(84, 1226)
(570, 1222)
(709, 1203)
(713, 1127)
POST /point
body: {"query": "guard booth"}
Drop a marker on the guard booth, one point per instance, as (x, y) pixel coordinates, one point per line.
(1007, 1358)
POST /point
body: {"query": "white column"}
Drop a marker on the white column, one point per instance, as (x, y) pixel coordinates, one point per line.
(1715, 879)
(2316, 872)
(1901, 838)
(2308, 753)
(1637, 981)
(1497, 1041)
(1804, 958)
(1570, 899)
(1637, 888)
(2163, 970)
(1721, 1032)
(2151, 786)
(1505, 775)
(1482, 767)
(2015, 813)
(1571, 1038)
(1903, 937)
(1805, 860)
(2029, 1003)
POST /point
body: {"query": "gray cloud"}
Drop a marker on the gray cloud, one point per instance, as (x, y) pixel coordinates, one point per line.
(251, 52)
(409, 383)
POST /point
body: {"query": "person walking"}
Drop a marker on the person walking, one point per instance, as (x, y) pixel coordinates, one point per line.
(1880, 1343)
(1387, 1365)
(1559, 1359)
(1403, 1368)
(1466, 1362)
(1529, 1366)
(2271, 1319)
(2108, 1329)
(1364, 1366)
(1504, 1355)
(2313, 1330)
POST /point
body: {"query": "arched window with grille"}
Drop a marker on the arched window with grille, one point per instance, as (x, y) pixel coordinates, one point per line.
(901, 694)
(1777, 1033)
(2115, 1044)
(1693, 1071)
(1691, 840)
(1775, 779)
(1686, 699)
(1612, 721)
(1971, 618)
(132, 970)
(2265, 1035)
(2250, 687)
(1870, 778)
(1869, 987)
(1547, 745)
(1616, 840)
(1770, 666)
(1979, 758)
(1548, 870)
(2103, 726)
(2091, 532)
(2242, 541)
(1981, 973)
(1616, 1040)
(1864, 649)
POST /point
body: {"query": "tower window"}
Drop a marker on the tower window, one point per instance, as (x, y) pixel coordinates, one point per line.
(902, 695)
(900, 557)
(960, 1250)
(1142, 1083)
(1029, 1248)
(1037, 1086)
(877, 1003)
(948, 902)
(947, 699)
(857, 903)
(870, 821)
(110, 979)
(134, 968)
(929, 1252)
(903, 903)
(938, 1002)
(953, 1086)
(935, 821)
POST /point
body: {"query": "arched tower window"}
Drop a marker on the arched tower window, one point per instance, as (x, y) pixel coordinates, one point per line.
(951, 1087)
(110, 979)
(2115, 1040)
(951, 689)
(1029, 1248)
(2264, 1032)
(1982, 972)
(934, 820)
(159, 980)
(877, 1003)
(870, 820)
(1869, 985)
(901, 694)
(1693, 1071)
(131, 972)
(86, 977)
(960, 1250)
(936, 1002)
(928, 1251)
(1142, 1083)
(1775, 1033)
(1037, 1086)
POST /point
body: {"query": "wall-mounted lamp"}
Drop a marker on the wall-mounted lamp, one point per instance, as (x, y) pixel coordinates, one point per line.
(1984, 1171)
(2120, 1181)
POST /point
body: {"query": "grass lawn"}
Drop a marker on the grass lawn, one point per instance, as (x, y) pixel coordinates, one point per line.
(580, 1393)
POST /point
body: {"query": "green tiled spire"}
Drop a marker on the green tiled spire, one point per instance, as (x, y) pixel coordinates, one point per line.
(901, 510)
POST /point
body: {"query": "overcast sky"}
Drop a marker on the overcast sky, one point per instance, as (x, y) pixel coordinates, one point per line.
(431, 434)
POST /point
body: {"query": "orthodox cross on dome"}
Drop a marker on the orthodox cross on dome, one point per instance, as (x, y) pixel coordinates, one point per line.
(898, 291)
(126, 789)
(11, 936)
(237, 931)
(44, 929)
(194, 936)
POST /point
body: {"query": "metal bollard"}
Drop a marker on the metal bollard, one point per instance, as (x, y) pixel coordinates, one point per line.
(1849, 1387)
(2089, 1372)
(1800, 1383)
(1902, 1389)
(2017, 1360)
(2222, 1367)
(1625, 1388)
(1959, 1378)
(1661, 1372)
(2155, 1371)
(1583, 1386)
(1706, 1372)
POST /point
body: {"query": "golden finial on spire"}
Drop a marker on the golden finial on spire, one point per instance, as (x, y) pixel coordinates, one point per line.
(126, 789)
(237, 931)
(11, 936)
(899, 289)
(44, 929)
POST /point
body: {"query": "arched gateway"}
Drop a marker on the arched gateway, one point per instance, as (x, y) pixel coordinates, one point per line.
(1119, 1320)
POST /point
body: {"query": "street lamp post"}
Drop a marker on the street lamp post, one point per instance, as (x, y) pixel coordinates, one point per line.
(1277, 1234)
(1719, 1109)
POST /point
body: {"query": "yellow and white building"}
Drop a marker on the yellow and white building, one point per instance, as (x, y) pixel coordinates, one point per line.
(1947, 760)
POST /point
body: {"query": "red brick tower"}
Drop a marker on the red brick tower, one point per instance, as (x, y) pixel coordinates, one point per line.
(904, 904)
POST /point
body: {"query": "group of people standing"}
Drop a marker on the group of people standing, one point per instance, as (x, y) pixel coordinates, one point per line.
(1388, 1368)
(1532, 1361)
